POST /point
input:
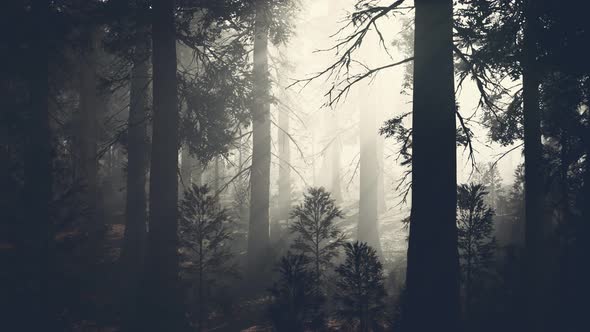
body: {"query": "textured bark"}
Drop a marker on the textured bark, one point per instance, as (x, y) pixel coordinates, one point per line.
(37, 186)
(433, 264)
(368, 201)
(162, 300)
(132, 254)
(533, 183)
(258, 231)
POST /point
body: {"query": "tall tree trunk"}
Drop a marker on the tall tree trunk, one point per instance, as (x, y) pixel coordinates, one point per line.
(335, 187)
(163, 309)
(368, 224)
(37, 230)
(258, 231)
(381, 202)
(87, 128)
(132, 254)
(284, 164)
(433, 263)
(582, 243)
(533, 184)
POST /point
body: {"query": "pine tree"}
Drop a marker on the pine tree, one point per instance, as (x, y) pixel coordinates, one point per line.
(205, 233)
(361, 293)
(293, 296)
(476, 243)
(318, 238)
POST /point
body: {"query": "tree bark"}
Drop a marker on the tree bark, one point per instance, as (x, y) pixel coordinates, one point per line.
(368, 201)
(258, 231)
(433, 264)
(163, 309)
(533, 183)
(132, 254)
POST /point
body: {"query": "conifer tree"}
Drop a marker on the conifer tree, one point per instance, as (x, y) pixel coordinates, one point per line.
(361, 293)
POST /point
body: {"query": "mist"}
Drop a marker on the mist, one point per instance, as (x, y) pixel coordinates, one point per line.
(294, 165)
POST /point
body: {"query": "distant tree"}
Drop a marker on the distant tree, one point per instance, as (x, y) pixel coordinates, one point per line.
(258, 232)
(475, 236)
(318, 238)
(293, 297)
(368, 229)
(490, 177)
(361, 292)
(205, 233)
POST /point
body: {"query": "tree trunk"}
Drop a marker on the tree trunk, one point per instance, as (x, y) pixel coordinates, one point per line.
(37, 230)
(433, 264)
(258, 231)
(533, 184)
(284, 165)
(381, 203)
(132, 254)
(368, 230)
(163, 309)
(87, 128)
(334, 158)
(582, 244)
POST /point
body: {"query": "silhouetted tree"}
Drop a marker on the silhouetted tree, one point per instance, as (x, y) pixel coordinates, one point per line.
(38, 177)
(135, 236)
(161, 299)
(433, 264)
(360, 295)
(293, 297)
(205, 235)
(476, 243)
(318, 238)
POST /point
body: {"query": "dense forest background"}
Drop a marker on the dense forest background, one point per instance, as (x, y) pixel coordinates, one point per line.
(294, 165)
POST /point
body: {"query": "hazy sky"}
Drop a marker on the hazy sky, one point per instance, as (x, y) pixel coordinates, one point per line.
(322, 18)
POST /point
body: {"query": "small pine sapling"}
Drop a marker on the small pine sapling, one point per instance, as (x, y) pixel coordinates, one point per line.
(204, 237)
(361, 292)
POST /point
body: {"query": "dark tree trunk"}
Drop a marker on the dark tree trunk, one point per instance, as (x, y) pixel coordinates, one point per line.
(86, 140)
(258, 231)
(533, 183)
(284, 165)
(368, 201)
(433, 264)
(582, 245)
(37, 230)
(132, 254)
(163, 309)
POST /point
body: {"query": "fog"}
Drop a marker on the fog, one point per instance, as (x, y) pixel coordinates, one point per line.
(294, 165)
